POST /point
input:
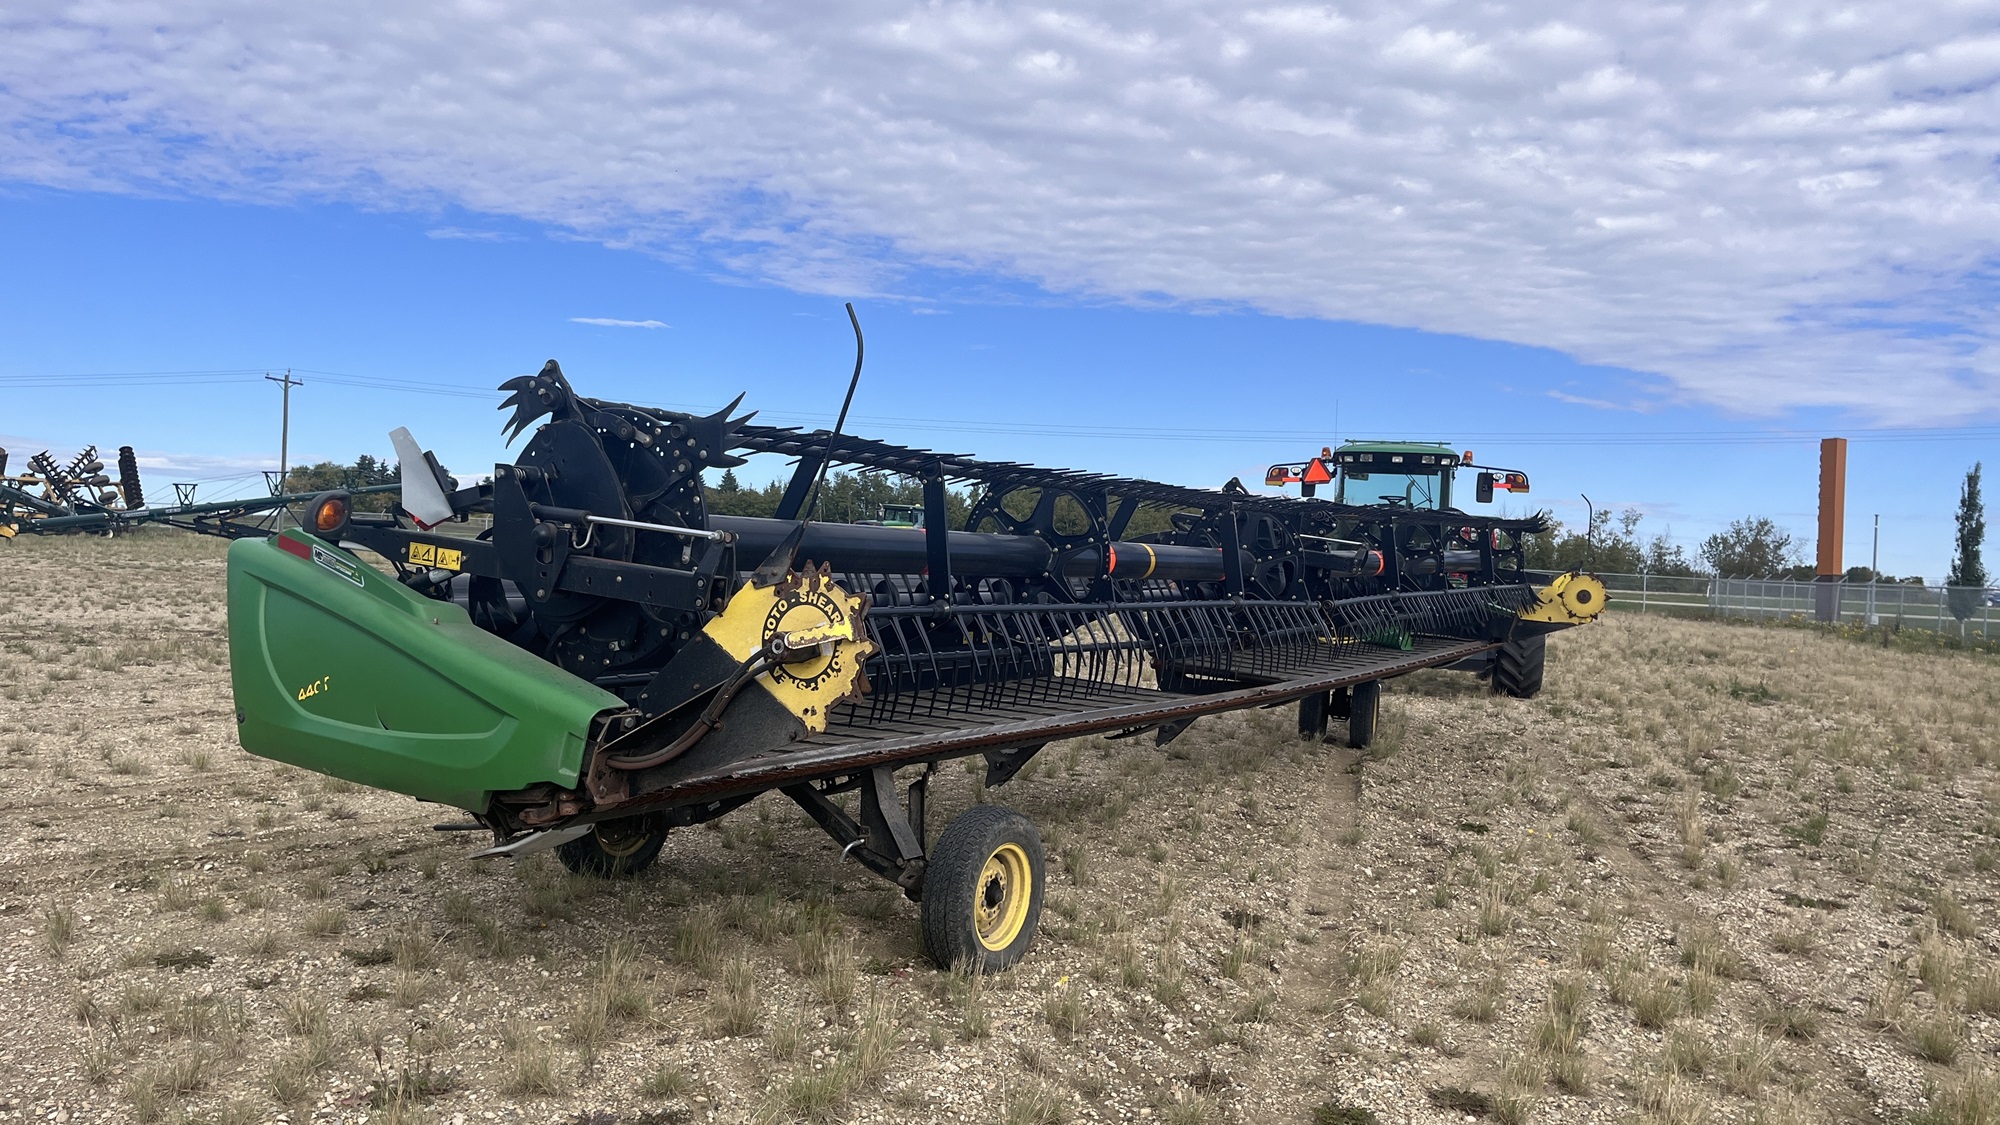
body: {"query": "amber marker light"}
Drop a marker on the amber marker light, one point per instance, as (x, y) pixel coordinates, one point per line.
(330, 515)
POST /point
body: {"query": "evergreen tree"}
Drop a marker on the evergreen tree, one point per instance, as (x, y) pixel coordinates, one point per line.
(1968, 569)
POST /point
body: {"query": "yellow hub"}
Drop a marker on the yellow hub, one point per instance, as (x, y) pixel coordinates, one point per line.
(801, 619)
(620, 840)
(1000, 908)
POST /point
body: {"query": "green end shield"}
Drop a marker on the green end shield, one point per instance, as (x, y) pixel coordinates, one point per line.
(341, 669)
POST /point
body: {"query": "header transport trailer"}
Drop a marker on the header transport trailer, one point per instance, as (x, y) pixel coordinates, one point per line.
(611, 661)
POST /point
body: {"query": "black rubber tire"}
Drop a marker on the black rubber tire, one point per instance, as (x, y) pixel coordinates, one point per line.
(615, 849)
(1518, 666)
(958, 886)
(1312, 716)
(1364, 711)
(128, 479)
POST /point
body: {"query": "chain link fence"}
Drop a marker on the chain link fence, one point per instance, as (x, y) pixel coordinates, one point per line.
(1892, 604)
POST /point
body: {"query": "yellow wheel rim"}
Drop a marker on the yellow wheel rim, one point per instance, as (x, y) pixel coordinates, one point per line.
(1000, 904)
(622, 840)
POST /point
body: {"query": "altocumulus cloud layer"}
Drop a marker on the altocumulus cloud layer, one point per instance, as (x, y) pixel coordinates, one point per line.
(1770, 205)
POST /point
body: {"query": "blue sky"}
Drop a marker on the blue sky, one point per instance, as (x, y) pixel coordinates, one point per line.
(1648, 261)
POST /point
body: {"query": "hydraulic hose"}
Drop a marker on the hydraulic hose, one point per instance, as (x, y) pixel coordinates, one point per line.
(711, 718)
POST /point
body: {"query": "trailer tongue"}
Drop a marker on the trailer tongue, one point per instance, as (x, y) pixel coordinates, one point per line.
(612, 661)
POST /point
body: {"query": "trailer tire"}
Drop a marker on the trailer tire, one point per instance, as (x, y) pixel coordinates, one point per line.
(616, 849)
(1518, 666)
(1364, 711)
(1313, 711)
(983, 889)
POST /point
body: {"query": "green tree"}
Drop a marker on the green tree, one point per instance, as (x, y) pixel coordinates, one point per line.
(1967, 578)
(1148, 520)
(364, 472)
(1664, 557)
(730, 498)
(844, 497)
(1753, 547)
(1608, 548)
(850, 497)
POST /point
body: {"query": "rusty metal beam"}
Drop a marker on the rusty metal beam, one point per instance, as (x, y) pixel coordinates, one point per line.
(819, 762)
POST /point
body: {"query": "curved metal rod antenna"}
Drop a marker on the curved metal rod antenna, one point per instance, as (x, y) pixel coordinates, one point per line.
(1589, 531)
(819, 483)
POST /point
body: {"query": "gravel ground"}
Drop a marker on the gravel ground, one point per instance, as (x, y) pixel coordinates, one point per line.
(1712, 873)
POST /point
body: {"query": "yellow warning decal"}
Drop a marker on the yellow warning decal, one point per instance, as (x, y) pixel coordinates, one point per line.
(431, 555)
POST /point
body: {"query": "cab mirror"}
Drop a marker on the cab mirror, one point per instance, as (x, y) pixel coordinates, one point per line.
(1485, 488)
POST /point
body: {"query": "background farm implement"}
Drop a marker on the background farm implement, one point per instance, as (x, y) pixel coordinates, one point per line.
(76, 497)
(59, 490)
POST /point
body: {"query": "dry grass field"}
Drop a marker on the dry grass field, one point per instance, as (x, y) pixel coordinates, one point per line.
(1714, 873)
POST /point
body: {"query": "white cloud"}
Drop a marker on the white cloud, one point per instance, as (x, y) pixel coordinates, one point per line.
(216, 476)
(1769, 205)
(152, 463)
(460, 234)
(155, 467)
(19, 448)
(614, 322)
(1600, 403)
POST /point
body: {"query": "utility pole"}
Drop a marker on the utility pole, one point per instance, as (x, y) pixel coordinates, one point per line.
(1874, 567)
(1589, 529)
(285, 426)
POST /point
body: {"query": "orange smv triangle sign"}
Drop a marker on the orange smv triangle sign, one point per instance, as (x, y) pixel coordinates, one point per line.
(1317, 473)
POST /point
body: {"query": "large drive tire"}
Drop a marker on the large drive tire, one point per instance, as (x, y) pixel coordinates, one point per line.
(616, 848)
(1517, 667)
(983, 890)
(1364, 711)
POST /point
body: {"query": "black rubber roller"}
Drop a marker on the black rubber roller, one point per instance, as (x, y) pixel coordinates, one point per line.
(128, 478)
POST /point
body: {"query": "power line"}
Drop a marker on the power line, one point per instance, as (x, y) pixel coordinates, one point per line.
(1501, 438)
